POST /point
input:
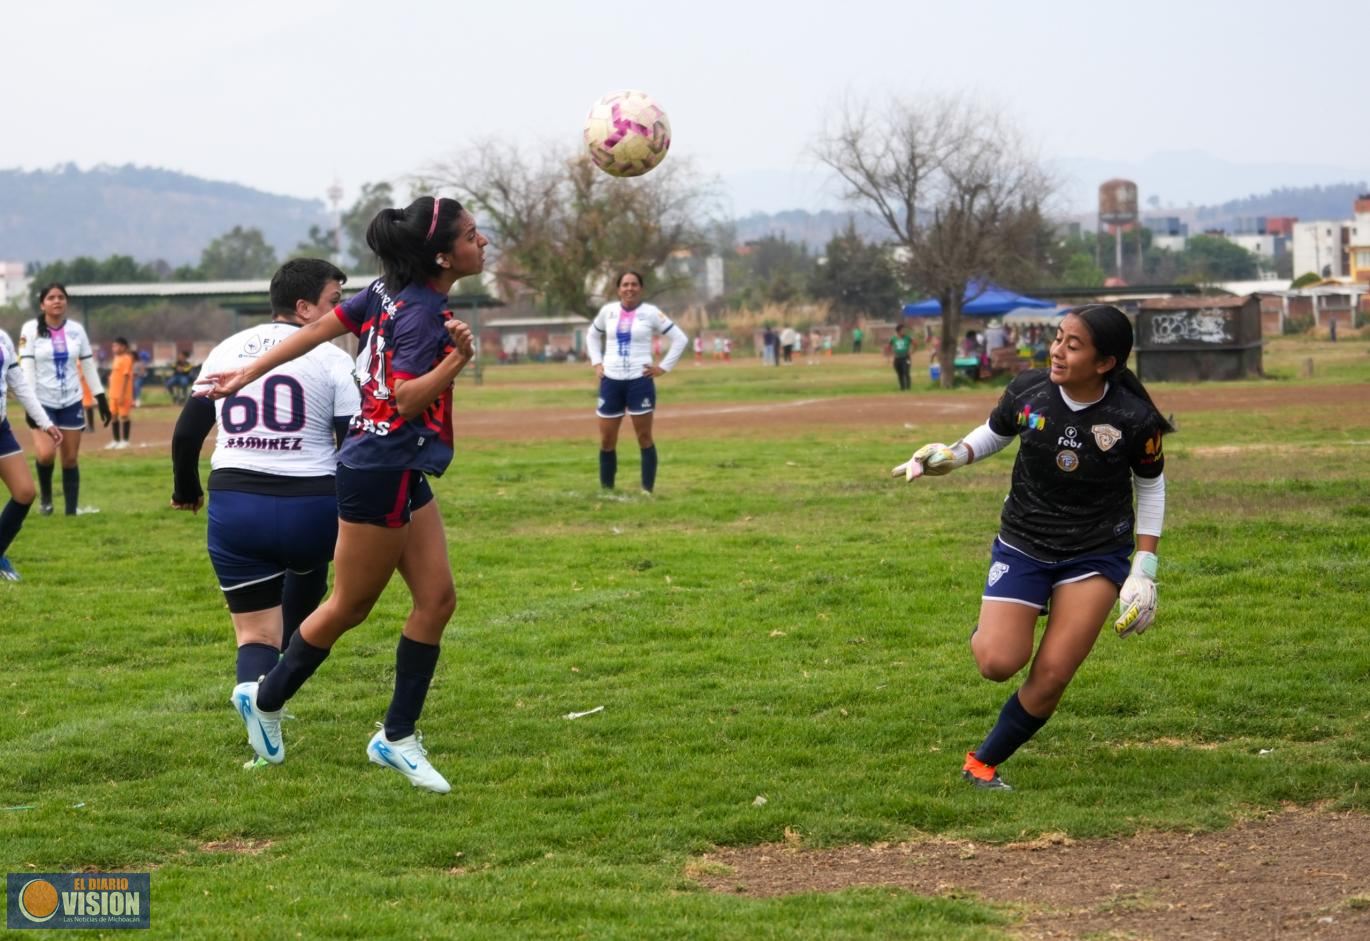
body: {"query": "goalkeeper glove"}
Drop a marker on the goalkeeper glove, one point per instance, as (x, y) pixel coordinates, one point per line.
(933, 460)
(1137, 600)
(102, 403)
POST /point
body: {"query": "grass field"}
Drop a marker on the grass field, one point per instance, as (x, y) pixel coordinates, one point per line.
(781, 621)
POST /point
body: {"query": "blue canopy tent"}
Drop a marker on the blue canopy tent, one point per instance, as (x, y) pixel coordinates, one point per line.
(980, 301)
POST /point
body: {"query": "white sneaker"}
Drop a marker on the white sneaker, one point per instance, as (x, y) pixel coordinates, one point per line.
(111, 446)
(409, 758)
(122, 445)
(263, 728)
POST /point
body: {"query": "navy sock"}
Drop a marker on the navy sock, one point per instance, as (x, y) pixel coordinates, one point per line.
(608, 468)
(284, 680)
(44, 482)
(11, 518)
(71, 488)
(1015, 726)
(414, 665)
(114, 428)
(127, 425)
(256, 661)
(300, 595)
(649, 468)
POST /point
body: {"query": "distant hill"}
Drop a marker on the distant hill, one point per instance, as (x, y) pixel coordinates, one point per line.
(1308, 203)
(47, 215)
(814, 229)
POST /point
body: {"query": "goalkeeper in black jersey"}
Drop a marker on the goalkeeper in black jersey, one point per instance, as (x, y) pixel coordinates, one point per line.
(1089, 436)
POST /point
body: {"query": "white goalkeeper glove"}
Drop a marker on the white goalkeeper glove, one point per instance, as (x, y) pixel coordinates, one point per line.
(1137, 600)
(933, 460)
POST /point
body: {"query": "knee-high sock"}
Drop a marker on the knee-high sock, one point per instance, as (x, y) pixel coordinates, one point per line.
(1015, 726)
(255, 661)
(296, 665)
(44, 482)
(608, 468)
(649, 468)
(127, 425)
(115, 428)
(300, 595)
(11, 518)
(71, 488)
(414, 665)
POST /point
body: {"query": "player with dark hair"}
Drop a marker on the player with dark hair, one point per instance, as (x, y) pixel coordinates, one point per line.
(273, 513)
(626, 373)
(120, 393)
(1089, 435)
(412, 350)
(13, 471)
(52, 349)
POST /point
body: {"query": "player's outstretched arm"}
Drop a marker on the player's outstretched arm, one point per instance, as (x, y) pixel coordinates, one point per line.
(222, 384)
(934, 460)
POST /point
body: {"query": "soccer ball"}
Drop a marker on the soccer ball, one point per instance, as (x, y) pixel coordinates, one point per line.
(627, 133)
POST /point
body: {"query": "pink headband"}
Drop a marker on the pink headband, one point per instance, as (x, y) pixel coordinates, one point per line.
(432, 226)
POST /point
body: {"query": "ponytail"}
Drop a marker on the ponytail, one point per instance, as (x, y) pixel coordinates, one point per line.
(1112, 333)
(407, 241)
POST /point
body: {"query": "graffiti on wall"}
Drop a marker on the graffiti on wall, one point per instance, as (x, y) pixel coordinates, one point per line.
(1191, 326)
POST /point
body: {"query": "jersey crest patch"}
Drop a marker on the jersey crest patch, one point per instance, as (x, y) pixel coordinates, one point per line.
(997, 571)
(1106, 436)
(1067, 461)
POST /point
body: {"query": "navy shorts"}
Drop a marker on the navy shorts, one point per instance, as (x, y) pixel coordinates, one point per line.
(635, 396)
(8, 443)
(381, 497)
(70, 418)
(254, 537)
(1017, 577)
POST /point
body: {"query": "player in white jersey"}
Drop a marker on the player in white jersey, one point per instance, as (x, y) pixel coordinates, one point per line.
(13, 471)
(620, 347)
(273, 513)
(52, 349)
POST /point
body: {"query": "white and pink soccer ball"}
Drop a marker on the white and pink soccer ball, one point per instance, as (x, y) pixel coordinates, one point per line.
(627, 133)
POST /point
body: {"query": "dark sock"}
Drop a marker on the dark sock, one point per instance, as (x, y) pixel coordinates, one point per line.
(284, 680)
(414, 665)
(300, 595)
(114, 429)
(11, 518)
(608, 467)
(71, 488)
(127, 424)
(44, 482)
(649, 468)
(1015, 726)
(255, 661)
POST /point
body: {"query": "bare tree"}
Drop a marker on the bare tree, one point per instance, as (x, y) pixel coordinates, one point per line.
(952, 183)
(562, 227)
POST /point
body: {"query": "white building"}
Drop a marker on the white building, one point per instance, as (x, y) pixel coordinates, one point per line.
(1320, 248)
(1265, 247)
(13, 284)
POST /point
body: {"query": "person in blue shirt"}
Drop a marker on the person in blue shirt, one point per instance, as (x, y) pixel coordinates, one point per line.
(411, 351)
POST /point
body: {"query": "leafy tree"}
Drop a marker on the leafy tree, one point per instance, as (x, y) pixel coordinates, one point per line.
(1081, 271)
(116, 269)
(1305, 279)
(769, 270)
(951, 183)
(319, 243)
(373, 198)
(1211, 258)
(857, 276)
(563, 228)
(237, 255)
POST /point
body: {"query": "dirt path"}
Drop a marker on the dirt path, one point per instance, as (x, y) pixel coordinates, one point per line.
(1296, 875)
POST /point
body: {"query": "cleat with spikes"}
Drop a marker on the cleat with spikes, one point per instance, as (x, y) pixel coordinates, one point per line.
(982, 775)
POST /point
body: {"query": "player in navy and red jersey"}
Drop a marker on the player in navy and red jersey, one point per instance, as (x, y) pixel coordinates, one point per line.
(412, 349)
(1089, 436)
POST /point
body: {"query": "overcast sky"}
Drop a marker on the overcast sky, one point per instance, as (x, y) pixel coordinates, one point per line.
(286, 95)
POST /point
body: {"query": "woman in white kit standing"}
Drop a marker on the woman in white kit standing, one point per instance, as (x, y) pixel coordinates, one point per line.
(620, 347)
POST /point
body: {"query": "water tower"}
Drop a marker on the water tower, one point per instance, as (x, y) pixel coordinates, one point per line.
(1118, 210)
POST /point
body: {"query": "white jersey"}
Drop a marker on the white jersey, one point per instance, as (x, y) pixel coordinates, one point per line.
(282, 423)
(622, 340)
(51, 363)
(13, 378)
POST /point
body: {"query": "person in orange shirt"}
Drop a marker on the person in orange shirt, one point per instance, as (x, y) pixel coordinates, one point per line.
(121, 393)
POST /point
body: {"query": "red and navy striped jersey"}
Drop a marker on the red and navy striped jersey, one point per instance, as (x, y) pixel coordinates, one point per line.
(401, 338)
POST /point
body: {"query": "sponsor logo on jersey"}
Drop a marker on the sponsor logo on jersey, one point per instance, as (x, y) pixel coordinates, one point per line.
(1106, 436)
(997, 571)
(1033, 421)
(1068, 440)
(1152, 451)
(1067, 461)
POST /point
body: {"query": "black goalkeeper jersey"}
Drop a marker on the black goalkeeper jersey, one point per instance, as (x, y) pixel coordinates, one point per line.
(1072, 479)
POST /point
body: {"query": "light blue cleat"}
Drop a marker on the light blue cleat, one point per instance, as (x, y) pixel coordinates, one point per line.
(7, 571)
(409, 758)
(263, 728)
